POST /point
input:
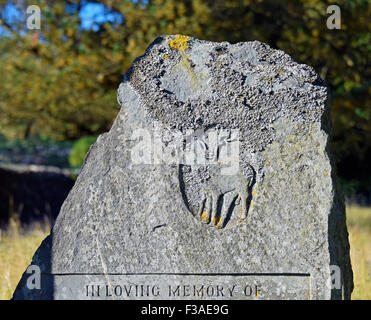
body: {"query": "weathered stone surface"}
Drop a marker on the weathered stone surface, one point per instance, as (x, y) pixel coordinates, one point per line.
(153, 218)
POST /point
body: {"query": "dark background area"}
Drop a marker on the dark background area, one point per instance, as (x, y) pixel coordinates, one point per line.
(32, 194)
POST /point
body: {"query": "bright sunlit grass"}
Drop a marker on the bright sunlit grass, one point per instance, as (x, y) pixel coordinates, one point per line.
(359, 228)
(17, 246)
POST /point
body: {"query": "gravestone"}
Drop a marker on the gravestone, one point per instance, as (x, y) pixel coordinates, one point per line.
(214, 182)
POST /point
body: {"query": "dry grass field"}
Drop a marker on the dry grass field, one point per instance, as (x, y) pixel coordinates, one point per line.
(359, 228)
(17, 246)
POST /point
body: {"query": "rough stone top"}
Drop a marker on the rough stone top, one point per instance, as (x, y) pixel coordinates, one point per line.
(186, 83)
(201, 83)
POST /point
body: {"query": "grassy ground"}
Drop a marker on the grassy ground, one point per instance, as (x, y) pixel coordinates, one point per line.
(17, 246)
(359, 227)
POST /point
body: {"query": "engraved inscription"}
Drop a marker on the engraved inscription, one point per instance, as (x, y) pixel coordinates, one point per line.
(182, 286)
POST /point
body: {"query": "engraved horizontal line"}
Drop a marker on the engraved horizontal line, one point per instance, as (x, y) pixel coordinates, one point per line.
(283, 274)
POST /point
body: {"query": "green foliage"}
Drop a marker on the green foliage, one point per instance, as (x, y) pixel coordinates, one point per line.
(79, 150)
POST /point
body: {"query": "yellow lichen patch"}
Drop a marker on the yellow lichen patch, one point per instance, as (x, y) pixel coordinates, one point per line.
(179, 43)
(203, 216)
(166, 56)
(253, 193)
(217, 221)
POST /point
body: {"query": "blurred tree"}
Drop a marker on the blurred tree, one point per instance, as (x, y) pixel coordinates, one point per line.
(62, 80)
(58, 80)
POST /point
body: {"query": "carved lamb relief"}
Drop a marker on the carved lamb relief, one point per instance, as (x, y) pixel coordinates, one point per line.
(214, 189)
